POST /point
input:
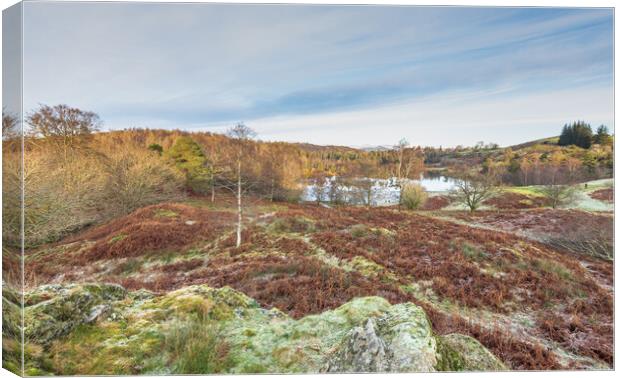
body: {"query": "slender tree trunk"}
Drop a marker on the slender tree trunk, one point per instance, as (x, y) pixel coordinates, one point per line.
(64, 147)
(400, 182)
(239, 211)
(273, 183)
(212, 188)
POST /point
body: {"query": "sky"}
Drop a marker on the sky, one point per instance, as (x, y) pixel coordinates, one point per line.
(339, 75)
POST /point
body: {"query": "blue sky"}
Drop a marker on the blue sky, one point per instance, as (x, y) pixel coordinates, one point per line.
(343, 75)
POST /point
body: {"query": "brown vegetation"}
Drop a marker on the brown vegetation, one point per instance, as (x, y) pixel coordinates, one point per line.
(154, 228)
(606, 195)
(513, 201)
(540, 221)
(11, 267)
(436, 203)
(473, 268)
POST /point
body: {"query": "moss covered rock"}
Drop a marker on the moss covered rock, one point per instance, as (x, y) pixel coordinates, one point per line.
(56, 310)
(400, 340)
(200, 330)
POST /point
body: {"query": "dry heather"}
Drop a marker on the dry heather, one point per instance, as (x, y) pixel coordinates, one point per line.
(541, 221)
(573, 231)
(513, 201)
(307, 259)
(603, 195)
(436, 203)
(154, 228)
(11, 267)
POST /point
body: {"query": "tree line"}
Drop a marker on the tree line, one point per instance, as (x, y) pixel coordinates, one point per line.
(580, 134)
(75, 175)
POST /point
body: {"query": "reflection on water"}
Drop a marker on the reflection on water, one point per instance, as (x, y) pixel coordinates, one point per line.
(380, 192)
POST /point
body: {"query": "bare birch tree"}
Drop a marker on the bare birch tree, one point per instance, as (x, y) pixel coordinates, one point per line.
(240, 134)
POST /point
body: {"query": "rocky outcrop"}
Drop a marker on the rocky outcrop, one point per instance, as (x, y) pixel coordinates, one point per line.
(135, 333)
(55, 310)
(401, 340)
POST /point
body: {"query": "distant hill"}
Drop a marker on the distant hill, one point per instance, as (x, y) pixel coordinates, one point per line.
(319, 148)
(550, 140)
(376, 148)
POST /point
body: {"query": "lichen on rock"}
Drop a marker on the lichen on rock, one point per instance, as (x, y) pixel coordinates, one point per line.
(401, 340)
(67, 307)
(178, 332)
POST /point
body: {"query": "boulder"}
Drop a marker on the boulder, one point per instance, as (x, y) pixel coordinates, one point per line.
(401, 340)
(62, 308)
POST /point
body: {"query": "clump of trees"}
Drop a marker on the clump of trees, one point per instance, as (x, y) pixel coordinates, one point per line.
(602, 136)
(582, 154)
(579, 155)
(578, 133)
(73, 177)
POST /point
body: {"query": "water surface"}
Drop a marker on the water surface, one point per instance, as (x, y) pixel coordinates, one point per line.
(383, 192)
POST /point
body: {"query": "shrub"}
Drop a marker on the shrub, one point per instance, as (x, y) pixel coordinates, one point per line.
(413, 196)
(558, 195)
(156, 147)
(90, 185)
(136, 179)
(61, 195)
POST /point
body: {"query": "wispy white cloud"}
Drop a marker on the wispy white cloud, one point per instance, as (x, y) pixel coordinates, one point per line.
(308, 73)
(447, 119)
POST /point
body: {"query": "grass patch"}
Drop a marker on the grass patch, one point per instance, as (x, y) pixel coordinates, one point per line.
(196, 347)
(291, 225)
(117, 238)
(552, 267)
(473, 253)
(166, 213)
(533, 191)
(127, 267)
